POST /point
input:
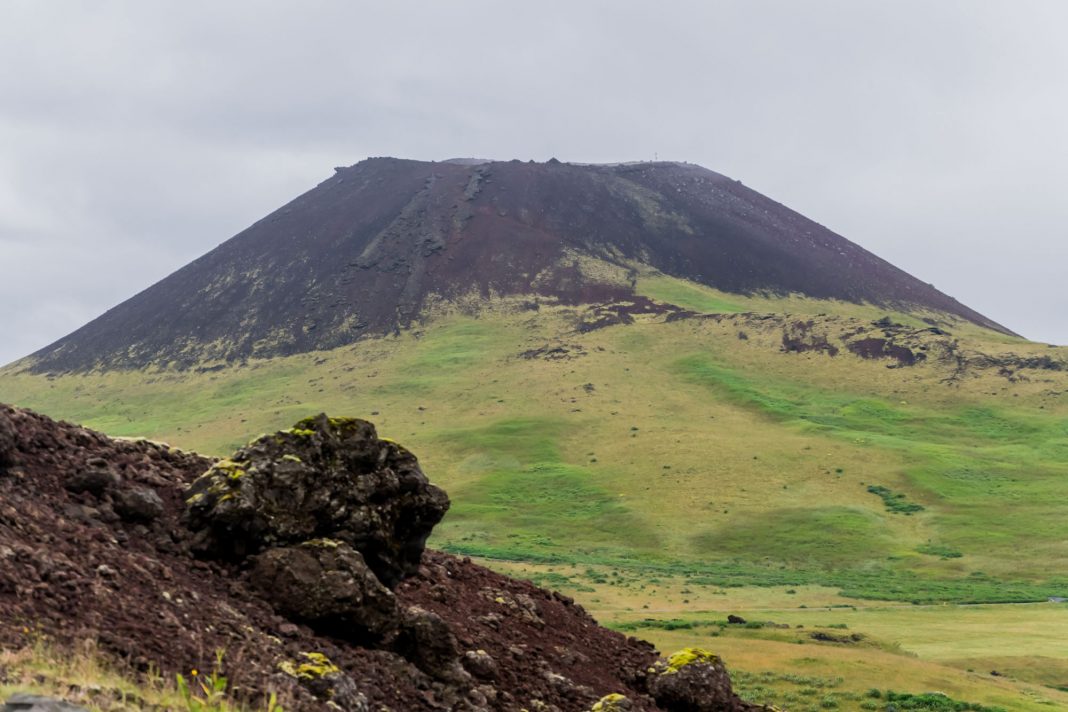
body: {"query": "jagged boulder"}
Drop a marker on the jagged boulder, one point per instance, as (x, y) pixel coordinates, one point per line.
(330, 517)
(96, 478)
(139, 505)
(427, 641)
(481, 664)
(325, 680)
(326, 584)
(694, 680)
(324, 478)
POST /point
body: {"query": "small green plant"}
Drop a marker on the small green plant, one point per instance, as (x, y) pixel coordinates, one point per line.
(937, 550)
(207, 693)
(271, 704)
(658, 623)
(929, 701)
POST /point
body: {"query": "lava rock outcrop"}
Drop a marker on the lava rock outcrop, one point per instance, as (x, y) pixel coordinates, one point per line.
(694, 680)
(302, 558)
(325, 477)
(326, 584)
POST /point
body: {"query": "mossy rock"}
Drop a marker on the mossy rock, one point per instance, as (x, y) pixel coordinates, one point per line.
(614, 702)
(316, 673)
(314, 666)
(326, 478)
(689, 656)
(695, 680)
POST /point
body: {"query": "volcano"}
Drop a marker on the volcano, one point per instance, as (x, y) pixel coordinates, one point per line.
(371, 249)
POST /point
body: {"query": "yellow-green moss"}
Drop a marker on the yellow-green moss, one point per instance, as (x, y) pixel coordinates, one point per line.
(311, 422)
(292, 458)
(609, 703)
(219, 487)
(342, 422)
(231, 469)
(322, 543)
(689, 656)
(314, 667)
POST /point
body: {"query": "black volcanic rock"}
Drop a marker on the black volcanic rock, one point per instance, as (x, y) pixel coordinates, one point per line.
(327, 478)
(364, 251)
(694, 680)
(327, 585)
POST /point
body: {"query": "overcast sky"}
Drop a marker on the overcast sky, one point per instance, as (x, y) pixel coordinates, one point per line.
(136, 135)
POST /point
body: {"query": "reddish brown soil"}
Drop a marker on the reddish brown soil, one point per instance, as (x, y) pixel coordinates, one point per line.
(565, 641)
(72, 570)
(360, 253)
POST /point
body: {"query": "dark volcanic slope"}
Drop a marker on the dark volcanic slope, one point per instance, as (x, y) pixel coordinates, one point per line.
(360, 253)
(85, 555)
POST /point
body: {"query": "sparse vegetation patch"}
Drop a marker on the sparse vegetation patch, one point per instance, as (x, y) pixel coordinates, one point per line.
(895, 501)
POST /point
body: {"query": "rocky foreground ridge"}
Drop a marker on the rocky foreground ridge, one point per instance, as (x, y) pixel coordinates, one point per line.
(302, 557)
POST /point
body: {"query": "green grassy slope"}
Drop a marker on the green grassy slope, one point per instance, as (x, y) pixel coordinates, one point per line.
(670, 444)
(679, 469)
(774, 658)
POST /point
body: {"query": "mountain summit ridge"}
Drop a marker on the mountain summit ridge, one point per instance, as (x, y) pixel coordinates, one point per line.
(368, 249)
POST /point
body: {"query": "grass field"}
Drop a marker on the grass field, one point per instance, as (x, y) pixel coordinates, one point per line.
(695, 450)
(798, 674)
(902, 647)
